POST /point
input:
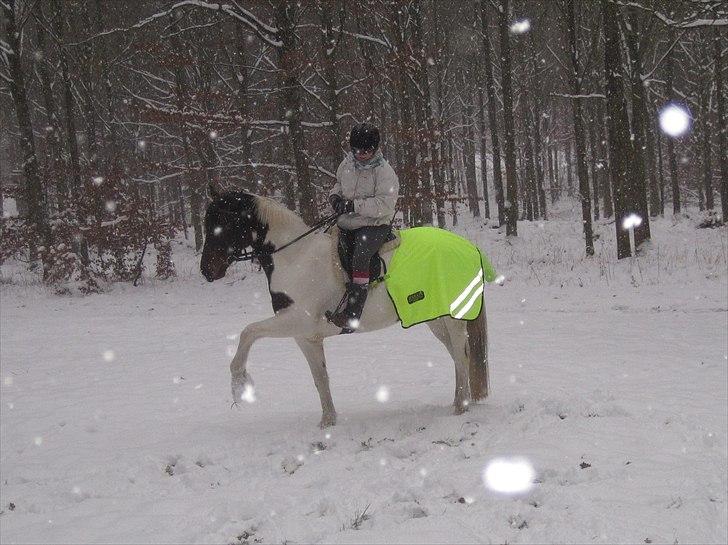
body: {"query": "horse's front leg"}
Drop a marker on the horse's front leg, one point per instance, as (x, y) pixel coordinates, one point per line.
(287, 323)
(313, 349)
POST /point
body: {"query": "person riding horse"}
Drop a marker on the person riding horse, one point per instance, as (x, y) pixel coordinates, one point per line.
(365, 195)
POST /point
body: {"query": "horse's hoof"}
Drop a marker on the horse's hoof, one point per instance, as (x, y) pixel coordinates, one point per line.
(242, 389)
(461, 408)
(327, 421)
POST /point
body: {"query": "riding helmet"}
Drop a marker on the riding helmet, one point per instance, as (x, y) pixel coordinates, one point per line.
(364, 136)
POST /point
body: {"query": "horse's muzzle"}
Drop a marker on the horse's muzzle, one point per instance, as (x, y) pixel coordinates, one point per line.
(212, 267)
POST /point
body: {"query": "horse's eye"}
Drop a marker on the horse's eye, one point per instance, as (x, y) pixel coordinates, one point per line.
(217, 230)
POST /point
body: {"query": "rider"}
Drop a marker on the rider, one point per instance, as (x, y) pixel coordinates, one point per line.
(365, 194)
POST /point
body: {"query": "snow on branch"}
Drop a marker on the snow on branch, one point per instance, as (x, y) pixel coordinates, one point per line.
(266, 32)
(688, 23)
(590, 95)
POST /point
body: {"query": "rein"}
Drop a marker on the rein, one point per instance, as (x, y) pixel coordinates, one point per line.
(328, 222)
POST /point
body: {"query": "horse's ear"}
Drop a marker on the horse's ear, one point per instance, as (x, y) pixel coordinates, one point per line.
(214, 193)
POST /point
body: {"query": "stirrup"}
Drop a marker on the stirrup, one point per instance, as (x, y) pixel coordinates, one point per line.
(349, 310)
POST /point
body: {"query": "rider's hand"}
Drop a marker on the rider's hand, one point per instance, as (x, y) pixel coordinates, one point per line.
(339, 205)
(336, 202)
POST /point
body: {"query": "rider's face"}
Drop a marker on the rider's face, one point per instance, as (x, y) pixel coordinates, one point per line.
(363, 154)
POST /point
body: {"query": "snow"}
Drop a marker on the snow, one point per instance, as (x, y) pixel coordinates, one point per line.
(613, 391)
(520, 27)
(674, 120)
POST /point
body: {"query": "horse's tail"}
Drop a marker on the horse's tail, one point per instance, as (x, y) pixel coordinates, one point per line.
(478, 356)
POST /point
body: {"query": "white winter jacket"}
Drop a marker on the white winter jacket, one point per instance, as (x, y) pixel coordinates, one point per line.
(372, 186)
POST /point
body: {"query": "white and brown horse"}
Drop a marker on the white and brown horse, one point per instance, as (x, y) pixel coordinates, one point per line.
(305, 280)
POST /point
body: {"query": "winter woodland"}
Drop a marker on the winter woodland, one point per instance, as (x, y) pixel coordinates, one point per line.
(582, 144)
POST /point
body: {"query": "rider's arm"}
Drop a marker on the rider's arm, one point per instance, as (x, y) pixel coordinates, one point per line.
(384, 201)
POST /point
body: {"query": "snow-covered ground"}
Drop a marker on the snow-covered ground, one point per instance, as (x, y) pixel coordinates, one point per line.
(609, 378)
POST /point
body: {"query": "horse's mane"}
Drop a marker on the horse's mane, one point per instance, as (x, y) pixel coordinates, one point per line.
(272, 212)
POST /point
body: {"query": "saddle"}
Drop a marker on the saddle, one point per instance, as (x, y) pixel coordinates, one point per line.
(376, 264)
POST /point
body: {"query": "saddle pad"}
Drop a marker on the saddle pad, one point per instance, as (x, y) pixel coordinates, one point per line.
(436, 273)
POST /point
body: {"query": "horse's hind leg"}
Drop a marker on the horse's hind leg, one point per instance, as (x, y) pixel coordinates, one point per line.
(455, 340)
(313, 349)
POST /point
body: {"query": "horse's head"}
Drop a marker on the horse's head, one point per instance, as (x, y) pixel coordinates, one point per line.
(231, 226)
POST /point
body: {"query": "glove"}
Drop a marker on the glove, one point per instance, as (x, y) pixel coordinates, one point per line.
(339, 205)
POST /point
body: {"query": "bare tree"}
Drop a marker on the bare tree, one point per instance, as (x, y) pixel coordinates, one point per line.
(575, 77)
(509, 134)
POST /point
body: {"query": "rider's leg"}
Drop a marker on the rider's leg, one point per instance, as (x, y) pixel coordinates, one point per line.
(367, 240)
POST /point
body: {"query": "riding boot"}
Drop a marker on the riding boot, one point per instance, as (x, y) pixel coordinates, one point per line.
(348, 318)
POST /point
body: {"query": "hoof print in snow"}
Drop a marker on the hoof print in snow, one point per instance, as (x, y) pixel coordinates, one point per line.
(366, 445)
(562, 416)
(169, 470)
(318, 446)
(648, 540)
(290, 465)
(584, 465)
(247, 537)
(675, 503)
(518, 522)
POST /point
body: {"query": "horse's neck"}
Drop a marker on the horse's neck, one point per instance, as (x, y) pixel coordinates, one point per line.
(283, 225)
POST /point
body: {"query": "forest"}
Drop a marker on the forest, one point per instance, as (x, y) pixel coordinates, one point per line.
(117, 116)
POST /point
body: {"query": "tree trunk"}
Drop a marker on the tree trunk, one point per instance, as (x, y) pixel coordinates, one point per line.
(329, 46)
(243, 78)
(426, 128)
(593, 171)
(722, 124)
(483, 151)
(292, 65)
(439, 168)
(469, 154)
(511, 182)
(705, 145)
(538, 154)
(670, 145)
(53, 130)
(69, 104)
(408, 174)
(33, 189)
(637, 189)
(620, 149)
(606, 184)
(104, 71)
(569, 171)
(492, 119)
(661, 174)
(575, 78)
(556, 189)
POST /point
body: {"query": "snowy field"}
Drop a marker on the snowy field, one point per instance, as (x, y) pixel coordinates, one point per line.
(610, 378)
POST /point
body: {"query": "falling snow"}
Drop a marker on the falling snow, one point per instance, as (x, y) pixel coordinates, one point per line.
(570, 429)
(674, 120)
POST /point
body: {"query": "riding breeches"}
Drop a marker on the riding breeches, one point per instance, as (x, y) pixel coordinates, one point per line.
(365, 242)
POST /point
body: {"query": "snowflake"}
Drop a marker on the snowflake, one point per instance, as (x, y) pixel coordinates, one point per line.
(382, 394)
(509, 476)
(674, 120)
(520, 27)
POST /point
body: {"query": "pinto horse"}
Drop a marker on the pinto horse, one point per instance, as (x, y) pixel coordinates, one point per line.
(305, 279)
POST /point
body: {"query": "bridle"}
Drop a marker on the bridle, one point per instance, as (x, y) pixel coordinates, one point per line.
(249, 255)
